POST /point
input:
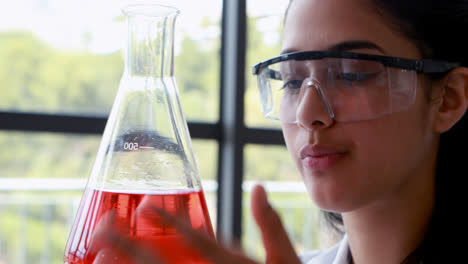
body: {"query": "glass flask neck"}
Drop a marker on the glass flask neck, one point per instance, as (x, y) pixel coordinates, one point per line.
(150, 47)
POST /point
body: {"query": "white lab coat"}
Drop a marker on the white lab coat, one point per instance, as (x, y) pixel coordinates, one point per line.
(338, 254)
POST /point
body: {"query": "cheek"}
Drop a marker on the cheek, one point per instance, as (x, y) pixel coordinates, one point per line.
(291, 133)
(388, 150)
(378, 152)
(397, 140)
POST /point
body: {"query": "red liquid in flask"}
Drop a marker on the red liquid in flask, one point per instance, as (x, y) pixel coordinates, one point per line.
(131, 215)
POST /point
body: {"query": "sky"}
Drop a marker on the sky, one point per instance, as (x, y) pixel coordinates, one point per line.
(67, 24)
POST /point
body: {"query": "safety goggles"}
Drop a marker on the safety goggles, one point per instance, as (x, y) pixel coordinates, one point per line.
(349, 86)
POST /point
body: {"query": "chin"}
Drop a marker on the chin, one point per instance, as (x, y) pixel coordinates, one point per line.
(330, 198)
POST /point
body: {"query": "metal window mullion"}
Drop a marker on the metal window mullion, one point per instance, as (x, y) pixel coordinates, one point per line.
(264, 136)
(78, 124)
(231, 156)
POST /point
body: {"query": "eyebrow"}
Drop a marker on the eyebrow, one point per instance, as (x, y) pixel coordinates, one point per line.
(346, 46)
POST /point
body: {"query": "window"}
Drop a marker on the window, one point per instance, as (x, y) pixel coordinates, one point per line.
(60, 66)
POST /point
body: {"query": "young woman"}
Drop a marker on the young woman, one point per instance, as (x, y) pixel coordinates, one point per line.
(371, 96)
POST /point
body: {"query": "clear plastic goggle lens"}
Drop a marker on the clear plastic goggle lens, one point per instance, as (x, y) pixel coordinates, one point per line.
(348, 89)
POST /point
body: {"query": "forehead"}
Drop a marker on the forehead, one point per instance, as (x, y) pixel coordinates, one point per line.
(320, 24)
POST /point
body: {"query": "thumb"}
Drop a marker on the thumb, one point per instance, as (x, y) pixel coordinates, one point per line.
(275, 239)
(109, 255)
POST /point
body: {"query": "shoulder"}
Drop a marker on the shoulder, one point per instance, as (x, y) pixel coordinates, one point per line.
(338, 254)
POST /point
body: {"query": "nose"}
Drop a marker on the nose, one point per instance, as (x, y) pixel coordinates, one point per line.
(313, 110)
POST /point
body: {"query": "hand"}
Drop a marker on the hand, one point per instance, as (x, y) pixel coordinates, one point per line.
(275, 239)
(278, 247)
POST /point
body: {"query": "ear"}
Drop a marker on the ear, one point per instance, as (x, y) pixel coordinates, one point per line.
(453, 99)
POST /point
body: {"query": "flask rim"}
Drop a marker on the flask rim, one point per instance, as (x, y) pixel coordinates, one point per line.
(150, 10)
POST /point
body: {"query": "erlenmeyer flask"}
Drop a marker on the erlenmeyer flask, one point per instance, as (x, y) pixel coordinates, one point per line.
(145, 159)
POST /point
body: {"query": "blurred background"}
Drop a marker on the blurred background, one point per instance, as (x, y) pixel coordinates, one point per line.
(62, 58)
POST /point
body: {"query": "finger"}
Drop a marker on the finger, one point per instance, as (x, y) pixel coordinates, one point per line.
(104, 256)
(109, 246)
(109, 255)
(121, 245)
(278, 247)
(104, 226)
(205, 245)
(234, 246)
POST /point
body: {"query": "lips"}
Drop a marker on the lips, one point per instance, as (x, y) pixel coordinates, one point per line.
(320, 158)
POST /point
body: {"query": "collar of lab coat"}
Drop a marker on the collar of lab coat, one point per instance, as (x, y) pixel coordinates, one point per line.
(335, 255)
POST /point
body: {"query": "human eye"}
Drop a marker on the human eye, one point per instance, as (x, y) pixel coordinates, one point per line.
(355, 77)
(292, 84)
(352, 70)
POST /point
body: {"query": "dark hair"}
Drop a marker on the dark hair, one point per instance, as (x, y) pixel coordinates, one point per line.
(438, 28)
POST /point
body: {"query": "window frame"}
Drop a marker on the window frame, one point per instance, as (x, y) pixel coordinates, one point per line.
(230, 131)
